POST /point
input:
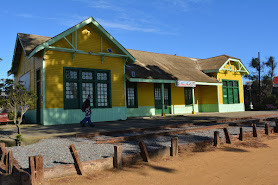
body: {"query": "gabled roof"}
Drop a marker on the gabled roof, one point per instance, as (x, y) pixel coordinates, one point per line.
(213, 63)
(32, 44)
(29, 41)
(150, 65)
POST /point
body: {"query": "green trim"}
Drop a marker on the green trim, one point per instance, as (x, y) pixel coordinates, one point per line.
(149, 80)
(53, 48)
(79, 81)
(59, 116)
(240, 66)
(43, 84)
(207, 83)
(162, 98)
(217, 91)
(231, 107)
(211, 71)
(74, 29)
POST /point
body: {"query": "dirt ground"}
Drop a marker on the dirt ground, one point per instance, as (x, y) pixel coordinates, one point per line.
(250, 162)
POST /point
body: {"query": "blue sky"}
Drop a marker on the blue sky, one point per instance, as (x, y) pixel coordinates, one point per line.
(191, 28)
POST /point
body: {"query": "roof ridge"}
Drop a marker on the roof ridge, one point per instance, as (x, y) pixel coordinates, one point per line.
(191, 58)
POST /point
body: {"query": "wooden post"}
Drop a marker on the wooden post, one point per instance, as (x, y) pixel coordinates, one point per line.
(10, 164)
(36, 170)
(3, 156)
(2, 148)
(77, 162)
(144, 152)
(227, 135)
(117, 160)
(216, 140)
(267, 128)
(174, 147)
(240, 134)
(255, 134)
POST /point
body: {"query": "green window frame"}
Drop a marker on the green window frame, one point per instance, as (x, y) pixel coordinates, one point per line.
(188, 95)
(131, 95)
(230, 89)
(81, 82)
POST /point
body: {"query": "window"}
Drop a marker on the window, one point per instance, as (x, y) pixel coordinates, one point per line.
(25, 81)
(79, 83)
(188, 95)
(131, 95)
(230, 91)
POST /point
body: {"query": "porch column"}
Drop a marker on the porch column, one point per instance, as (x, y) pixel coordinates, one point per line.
(193, 101)
(162, 98)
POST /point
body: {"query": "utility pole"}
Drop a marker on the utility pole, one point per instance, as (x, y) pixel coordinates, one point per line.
(259, 77)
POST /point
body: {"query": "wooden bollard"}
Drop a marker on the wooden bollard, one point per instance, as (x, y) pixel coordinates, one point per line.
(240, 134)
(227, 135)
(9, 162)
(144, 152)
(117, 159)
(174, 147)
(2, 148)
(76, 159)
(267, 128)
(216, 140)
(36, 170)
(255, 134)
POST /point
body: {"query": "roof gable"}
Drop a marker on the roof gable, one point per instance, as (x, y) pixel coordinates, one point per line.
(71, 30)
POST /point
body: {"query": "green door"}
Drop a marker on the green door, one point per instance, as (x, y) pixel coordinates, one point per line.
(158, 100)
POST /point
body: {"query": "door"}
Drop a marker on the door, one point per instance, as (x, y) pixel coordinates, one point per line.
(158, 99)
(38, 85)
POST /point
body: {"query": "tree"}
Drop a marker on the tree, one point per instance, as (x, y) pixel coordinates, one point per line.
(17, 101)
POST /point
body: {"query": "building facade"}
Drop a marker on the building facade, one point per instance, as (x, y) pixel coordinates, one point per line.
(86, 60)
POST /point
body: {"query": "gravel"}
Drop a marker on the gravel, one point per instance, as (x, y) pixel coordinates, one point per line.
(55, 151)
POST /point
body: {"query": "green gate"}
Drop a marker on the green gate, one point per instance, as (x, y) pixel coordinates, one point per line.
(158, 100)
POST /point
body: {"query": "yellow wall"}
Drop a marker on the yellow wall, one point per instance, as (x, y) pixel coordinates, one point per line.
(145, 94)
(177, 95)
(29, 65)
(55, 61)
(229, 75)
(205, 94)
(87, 40)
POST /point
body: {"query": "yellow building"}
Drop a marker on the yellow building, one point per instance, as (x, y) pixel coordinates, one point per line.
(86, 60)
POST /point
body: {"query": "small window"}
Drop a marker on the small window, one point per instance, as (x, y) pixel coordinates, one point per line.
(188, 96)
(131, 95)
(109, 50)
(102, 76)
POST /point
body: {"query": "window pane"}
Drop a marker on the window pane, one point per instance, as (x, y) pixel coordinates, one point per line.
(101, 76)
(87, 75)
(87, 89)
(235, 83)
(71, 74)
(224, 83)
(102, 96)
(130, 96)
(71, 90)
(188, 96)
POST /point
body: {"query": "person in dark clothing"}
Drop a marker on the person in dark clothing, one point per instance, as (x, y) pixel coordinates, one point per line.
(87, 109)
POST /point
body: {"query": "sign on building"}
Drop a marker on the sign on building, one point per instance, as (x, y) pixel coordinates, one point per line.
(185, 83)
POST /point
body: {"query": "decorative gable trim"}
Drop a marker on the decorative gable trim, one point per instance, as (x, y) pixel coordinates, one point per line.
(72, 30)
(240, 67)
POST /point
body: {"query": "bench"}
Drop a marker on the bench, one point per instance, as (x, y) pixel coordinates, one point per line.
(4, 118)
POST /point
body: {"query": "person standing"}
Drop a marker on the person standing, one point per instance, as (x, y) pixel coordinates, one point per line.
(86, 107)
